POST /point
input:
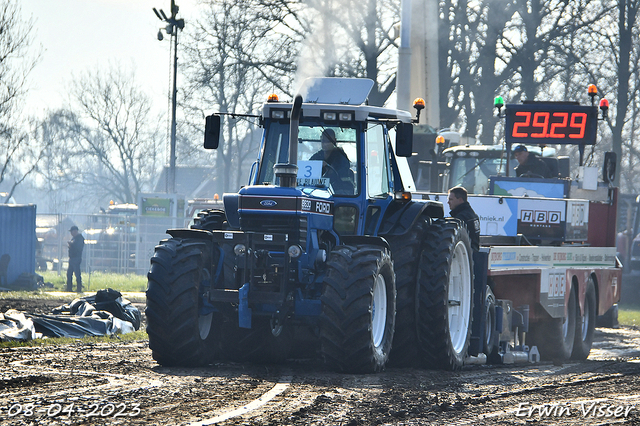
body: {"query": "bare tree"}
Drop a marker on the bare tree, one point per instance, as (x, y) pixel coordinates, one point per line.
(625, 130)
(60, 173)
(106, 142)
(518, 49)
(235, 58)
(352, 38)
(17, 159)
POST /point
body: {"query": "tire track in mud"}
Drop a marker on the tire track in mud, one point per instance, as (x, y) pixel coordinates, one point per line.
(263, 399)
(89, 374)
(559, 397)
(126, 373)
(28, 367)
(473, 396)
(297, 393)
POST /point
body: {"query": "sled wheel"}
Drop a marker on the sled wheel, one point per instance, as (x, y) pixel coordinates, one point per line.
(555, 337)
(585, 324)
(490, 342)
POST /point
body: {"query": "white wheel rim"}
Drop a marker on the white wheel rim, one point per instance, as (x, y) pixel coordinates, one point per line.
(379, 310)
(459, 297)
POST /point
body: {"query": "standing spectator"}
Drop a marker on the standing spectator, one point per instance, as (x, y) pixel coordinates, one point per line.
(76, 245)
(461, 209)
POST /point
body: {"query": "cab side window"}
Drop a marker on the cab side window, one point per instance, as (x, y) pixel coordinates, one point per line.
(376, 155)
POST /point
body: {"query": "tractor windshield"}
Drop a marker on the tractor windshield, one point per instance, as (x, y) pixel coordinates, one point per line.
(327, 156)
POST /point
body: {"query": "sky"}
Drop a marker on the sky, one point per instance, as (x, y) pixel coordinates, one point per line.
(82, 35)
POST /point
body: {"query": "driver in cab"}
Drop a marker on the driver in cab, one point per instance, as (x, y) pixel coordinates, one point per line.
(335, 163)
(529, 164)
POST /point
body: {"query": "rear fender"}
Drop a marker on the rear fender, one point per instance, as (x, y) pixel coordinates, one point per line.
(199, 234)
(231, 209)
(361, 239)
(400, 217)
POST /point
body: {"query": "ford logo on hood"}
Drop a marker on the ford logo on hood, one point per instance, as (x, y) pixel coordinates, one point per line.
(268, 203)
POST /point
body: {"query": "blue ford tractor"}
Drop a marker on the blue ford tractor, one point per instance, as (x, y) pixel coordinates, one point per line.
(309, 256)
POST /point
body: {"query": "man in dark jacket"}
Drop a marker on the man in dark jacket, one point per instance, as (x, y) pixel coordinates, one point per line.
(461, 209)
(335, 164)
(529, 164)
(76, 245)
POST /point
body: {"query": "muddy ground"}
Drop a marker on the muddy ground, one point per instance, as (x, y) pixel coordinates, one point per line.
(120, 384)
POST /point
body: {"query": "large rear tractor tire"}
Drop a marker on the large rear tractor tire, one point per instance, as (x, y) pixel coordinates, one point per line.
(445, 295)
(210, 220)
(555, 337)
(405, 250)
(358, 309)
(585, 324)
(178, 334)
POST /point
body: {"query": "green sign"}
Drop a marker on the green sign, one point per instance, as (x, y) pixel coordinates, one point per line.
(160, 207)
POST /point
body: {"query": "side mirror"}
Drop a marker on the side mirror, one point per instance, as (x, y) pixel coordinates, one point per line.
(212, 132)
(404, 139)
(609, 168)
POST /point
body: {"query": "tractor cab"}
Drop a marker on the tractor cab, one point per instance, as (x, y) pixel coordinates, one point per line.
(349, 156)
(472, 166)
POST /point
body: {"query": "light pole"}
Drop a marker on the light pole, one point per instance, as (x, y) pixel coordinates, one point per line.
(173, 25)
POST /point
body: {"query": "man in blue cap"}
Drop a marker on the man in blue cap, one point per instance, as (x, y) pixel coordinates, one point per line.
(530, 165)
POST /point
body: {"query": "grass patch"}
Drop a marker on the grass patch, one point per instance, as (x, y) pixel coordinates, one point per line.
(33, 295)
(98, 281)
(57, 341)
(629, 316)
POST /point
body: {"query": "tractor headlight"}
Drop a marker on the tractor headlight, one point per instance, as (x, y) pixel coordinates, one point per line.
(277, 114)
(294, 251)
(240, 249)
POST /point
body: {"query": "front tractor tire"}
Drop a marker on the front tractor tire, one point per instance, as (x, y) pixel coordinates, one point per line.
(178, 334)
(445, 295)
(358, 309)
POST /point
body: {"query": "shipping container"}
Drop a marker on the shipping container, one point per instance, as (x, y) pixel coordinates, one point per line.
(18, 238)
